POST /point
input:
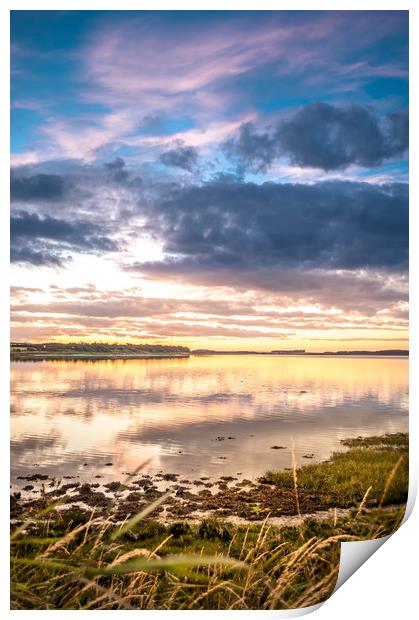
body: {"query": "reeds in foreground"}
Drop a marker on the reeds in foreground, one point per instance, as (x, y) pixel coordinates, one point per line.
(73, 560)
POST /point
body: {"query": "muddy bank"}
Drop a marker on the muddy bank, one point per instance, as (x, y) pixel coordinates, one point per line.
(374, 471)
(227, 497)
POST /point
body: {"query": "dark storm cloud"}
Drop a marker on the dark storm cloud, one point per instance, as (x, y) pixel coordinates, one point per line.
(79, 233)
(117, 170)
(71, 186)
(42, 240)
(323, 136)
(37, 256)
(36, 187)
(185, 157)
(251, 150)
(330, 225)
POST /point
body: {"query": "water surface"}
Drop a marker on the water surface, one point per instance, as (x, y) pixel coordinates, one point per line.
(74, 417)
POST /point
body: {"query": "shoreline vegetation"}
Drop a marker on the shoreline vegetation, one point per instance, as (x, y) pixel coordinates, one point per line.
(138, 547)
(97, 350)
(93, 351)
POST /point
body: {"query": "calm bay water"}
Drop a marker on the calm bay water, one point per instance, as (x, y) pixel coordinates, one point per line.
(74, 417)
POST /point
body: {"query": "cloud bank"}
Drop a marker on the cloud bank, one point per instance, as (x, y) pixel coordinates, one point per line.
(329, 225)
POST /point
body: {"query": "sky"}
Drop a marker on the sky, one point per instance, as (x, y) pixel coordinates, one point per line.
(216, 179)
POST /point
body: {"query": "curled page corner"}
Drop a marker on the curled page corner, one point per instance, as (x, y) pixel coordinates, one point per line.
(355, 553)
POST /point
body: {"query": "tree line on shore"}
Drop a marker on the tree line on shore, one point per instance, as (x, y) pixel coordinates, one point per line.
(96, 347)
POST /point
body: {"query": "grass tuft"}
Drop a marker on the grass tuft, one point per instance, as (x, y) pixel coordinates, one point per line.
(396, 440)
(361, 473)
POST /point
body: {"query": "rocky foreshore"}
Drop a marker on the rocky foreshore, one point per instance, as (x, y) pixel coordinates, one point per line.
(226, 497)
(373, 471)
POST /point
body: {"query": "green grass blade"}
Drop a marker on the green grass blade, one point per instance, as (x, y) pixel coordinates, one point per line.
(174, 561)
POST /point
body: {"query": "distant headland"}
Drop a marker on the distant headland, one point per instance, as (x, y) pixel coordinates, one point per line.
(93, 351)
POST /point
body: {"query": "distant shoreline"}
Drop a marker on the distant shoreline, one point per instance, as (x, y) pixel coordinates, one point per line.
(392, 352)
(49, 351)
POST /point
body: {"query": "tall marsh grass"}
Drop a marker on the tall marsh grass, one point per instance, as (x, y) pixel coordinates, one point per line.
(71, 560)
(260, 567)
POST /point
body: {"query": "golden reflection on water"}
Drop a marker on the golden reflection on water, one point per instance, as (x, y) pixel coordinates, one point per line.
(69, 413)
